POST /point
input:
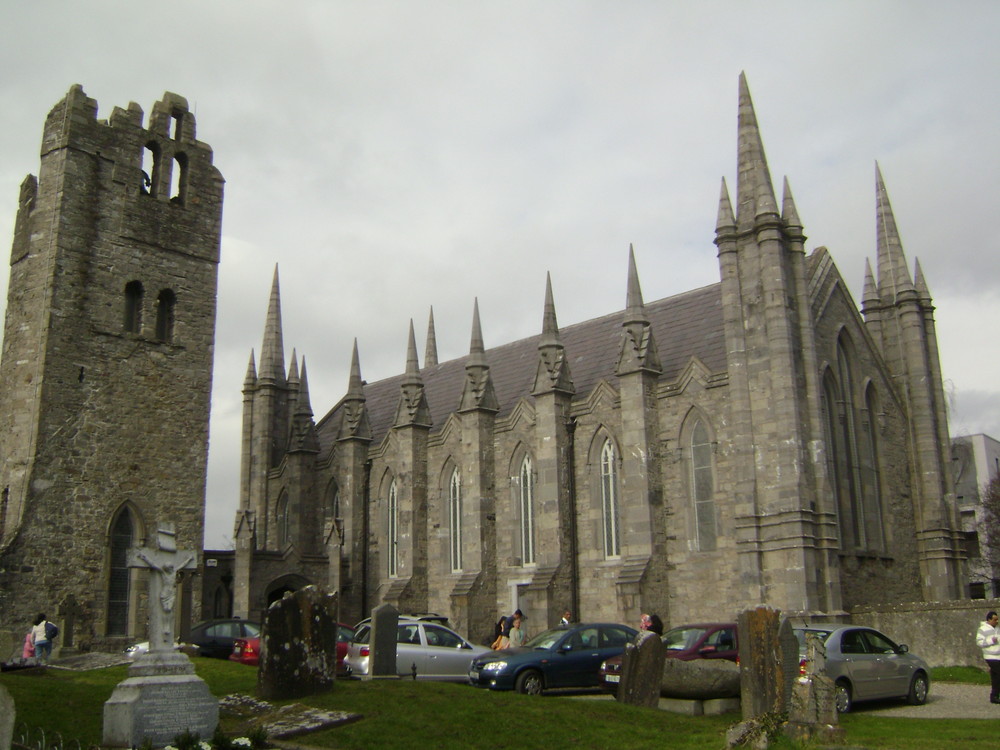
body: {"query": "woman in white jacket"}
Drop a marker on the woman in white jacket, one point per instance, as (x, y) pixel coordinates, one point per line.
(988, 639)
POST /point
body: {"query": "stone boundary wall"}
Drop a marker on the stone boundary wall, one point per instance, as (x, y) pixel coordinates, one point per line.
(942, 633)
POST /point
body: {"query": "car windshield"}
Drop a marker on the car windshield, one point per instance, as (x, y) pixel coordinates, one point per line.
(545, 640)
(681, 639)
(252, 630)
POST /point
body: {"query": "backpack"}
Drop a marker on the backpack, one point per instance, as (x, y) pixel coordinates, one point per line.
(51, 630)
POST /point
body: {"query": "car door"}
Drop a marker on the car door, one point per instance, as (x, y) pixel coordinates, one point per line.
(410, 651)
(448, 655)
(720, 643)
(576, 661)
(892, 672)
(218, 639)
(859, 664)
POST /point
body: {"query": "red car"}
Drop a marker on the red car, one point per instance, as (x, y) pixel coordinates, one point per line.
(247, 650)
(713, 640)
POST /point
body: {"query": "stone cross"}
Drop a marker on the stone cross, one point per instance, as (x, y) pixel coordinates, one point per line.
(165, 561)
(69, 610)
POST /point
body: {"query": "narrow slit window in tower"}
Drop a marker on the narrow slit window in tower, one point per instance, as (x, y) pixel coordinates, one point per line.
(165, 304)
(133, 307)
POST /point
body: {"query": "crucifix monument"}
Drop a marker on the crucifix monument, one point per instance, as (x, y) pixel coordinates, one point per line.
(162, 696)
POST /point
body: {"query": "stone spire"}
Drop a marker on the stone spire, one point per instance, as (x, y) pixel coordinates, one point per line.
(754, 189)
(893, 276)
(250, 379)
(725, 222)
(920, 283)
(303, 437)
(478, 392)
(638, 349)
(553, 369)
(869, 294)
(789, 214)
(272, 353)
(412, 409)
(355, 423)
(431, 350)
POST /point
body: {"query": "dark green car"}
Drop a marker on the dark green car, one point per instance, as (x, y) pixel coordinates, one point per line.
(568, 656)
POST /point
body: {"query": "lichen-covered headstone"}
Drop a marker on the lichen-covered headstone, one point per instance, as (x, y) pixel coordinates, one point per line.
(7, 715)
(382, 642)
(642, 671)
(768, 662)
(298, 645)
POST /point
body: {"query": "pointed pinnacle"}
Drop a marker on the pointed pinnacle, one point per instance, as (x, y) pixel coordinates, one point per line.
(788, 213)
(869, 295)
(355, 385)
(251, 377)
(303, 407)
(919, 282)
(476, 345)
(430, 351)
(893, 274)
(412, 363)
(293, 368)
(550, 326)
(634, 309)
(272, 353)
(725, 219)
(754, 189)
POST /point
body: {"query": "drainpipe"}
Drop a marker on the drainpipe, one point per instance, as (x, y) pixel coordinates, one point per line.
(365, 528)
(574, 544)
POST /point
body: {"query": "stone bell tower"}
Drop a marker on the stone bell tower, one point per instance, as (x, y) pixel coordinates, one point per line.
(107, 363)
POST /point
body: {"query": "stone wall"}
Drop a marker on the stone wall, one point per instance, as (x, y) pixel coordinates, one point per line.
(941, 633)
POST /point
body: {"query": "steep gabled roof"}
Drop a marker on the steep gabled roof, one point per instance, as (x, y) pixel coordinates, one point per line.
(684, 326)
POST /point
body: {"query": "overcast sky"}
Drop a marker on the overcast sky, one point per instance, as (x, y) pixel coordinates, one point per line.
(390, 156)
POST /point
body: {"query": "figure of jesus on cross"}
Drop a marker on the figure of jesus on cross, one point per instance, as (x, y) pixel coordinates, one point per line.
(164, 563)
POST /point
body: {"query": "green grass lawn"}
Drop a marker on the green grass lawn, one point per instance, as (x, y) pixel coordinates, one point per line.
(406, 714)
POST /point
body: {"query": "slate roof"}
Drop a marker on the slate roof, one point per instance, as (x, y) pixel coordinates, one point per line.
(684, 326)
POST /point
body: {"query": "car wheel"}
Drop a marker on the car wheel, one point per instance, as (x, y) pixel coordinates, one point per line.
(529, 682)
(918, 690)
(843, 695)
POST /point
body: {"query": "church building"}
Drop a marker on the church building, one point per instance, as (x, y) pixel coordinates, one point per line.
(758, 441)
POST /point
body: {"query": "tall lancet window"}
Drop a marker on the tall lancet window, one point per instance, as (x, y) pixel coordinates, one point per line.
(703, 487)
(393, 531)
(455, 520)
(119, 578)
(526, 506)
(609, 500)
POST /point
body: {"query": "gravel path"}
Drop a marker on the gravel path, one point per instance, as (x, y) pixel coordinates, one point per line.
(947, 700)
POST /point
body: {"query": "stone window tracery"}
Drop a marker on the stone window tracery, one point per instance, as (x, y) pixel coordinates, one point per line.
(703, 487)
(393, 531)
(526, 511)
(119, 574)
(455, 520)
(610, 501)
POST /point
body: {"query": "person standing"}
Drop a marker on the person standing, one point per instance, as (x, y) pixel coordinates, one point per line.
(516, 634)
(988, 639)
(566, 618)
(40, 638)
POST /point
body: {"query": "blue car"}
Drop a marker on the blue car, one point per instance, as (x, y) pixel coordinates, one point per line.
(568, 656)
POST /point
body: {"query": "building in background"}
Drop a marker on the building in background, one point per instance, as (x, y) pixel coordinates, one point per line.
(976, 462)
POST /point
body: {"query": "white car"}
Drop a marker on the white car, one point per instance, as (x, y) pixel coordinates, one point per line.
(430, 650)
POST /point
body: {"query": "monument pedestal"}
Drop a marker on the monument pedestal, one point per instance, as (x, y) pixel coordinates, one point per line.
(161, 698)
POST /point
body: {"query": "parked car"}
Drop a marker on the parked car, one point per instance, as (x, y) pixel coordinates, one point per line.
(247, 650)
(865, 664)
(711, 640)
(215, 638)
(424, 647)
(566, 656)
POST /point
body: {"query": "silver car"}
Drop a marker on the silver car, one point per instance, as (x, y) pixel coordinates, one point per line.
(864, 664)
(427, 649)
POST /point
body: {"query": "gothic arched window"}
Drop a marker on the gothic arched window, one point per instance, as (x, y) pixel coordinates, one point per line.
(871, 480)
(609, 500)
(281, 512)
(455, 520)
(526, 510)
(119, 575)
(703, 487)
(393, 531)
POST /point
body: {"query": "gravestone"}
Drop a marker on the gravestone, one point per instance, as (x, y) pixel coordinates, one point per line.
(768, 661)
(642, 671)
(7, 715)
(298, 645)
(812, 715)
(382, 642)
(162, 696)
(69, 610)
